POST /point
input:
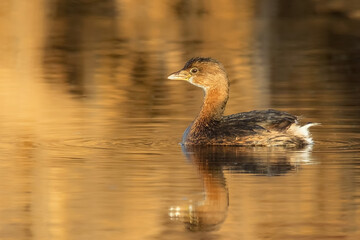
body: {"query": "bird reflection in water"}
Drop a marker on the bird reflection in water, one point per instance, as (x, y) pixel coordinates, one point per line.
(208, 213)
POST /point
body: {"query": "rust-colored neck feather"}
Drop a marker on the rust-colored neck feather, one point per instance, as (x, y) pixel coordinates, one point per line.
(214, 104)
(213, 107)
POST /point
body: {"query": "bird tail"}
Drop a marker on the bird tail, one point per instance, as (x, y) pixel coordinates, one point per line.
(309, 124)
(303, 131)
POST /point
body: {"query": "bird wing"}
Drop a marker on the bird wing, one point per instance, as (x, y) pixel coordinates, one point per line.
(261, 120)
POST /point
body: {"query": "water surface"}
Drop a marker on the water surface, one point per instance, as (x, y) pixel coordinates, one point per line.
(90, 126)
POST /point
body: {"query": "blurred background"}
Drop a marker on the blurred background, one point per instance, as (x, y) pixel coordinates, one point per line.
(90, 126)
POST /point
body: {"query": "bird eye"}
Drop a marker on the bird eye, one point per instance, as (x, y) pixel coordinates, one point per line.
(194, 70)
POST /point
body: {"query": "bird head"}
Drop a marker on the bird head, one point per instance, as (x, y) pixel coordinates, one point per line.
(206, 73)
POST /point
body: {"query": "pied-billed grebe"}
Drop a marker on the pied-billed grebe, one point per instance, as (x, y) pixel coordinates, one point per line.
(255, 128)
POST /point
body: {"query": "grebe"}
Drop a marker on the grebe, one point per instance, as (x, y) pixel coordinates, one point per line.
(254, 128)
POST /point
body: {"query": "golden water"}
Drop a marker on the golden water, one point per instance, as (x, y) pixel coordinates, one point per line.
(90, 126)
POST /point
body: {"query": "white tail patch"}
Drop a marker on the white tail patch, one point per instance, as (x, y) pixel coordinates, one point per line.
(302, 131)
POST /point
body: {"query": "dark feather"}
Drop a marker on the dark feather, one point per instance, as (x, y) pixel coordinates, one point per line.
(266, 119)
(190, 63)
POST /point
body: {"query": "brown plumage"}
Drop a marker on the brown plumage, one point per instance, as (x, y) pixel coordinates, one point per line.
(255, 128)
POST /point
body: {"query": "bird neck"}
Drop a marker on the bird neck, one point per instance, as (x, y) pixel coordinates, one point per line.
(211, 111)
(214, 104)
